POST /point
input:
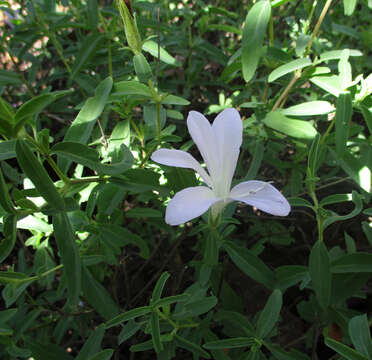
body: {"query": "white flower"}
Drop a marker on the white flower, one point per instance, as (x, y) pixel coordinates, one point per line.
(219, 145)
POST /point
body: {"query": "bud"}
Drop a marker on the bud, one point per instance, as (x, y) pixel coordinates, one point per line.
(130, 27)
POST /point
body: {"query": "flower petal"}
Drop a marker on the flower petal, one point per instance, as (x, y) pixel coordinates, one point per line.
(182, 159)
(188, 204)
(228, 130)
(262, 195)
(201, 132)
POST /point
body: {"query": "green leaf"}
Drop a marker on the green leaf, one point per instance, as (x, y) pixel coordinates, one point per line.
(124, 237)
(38, 175)
(103, 355)
(97, 296)
(250, 264)
(334, 199)
(336, 54)
(7, 149)
(155, 332)
(152, 48)
(320, 273)
(85, 155)
(270, 314)
(33, 107)
(9, 78)
(347, 352)
(133, 87)
(10, 277)
(238, 321)
(10, 233)
(170, 300)
(289, 275)
(197, 307)
(46, 351)
(329, 83)
(309, 108)
(288, 68)
(253, 35)
(295, 128)
(360, 335)
(5, 200)
(367, 115)
(352, 263)
(131, 314)
(138, 213)
(128, 330)
(256, 161)
(349, 7)
(81, 128)
(296, 201)
(333, 217)
(194, 348)
(175, 100)
(69, 253)
(159, 286)
(230, 343)
(92, 12)
(92, 344)
(6, 112)
(344, 111)
(87, 49)
(142, 68)
(6, 315)
(344, 69)
(130, 28)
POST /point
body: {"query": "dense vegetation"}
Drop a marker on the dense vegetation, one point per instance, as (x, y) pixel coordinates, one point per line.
(90, 267)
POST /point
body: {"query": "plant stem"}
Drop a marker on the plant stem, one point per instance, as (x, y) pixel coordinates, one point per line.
(286, 91)
(317, 26)
(298, 73)
(57, 170)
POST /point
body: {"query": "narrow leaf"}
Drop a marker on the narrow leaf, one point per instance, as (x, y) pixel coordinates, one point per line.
(295, 128)
(155, 332)
(347, 352)
(320, 273)
(38, 175)
(103, 355)
(152, 48)
(69, 253)
(230, 343)
(288, 68)
(270, 314)
(349, 7)
(352, 263)
(360, 335)
(194, 348)
(309, 108)
(131, 314)
(86, 51)
(92, 344)
(5, 200)
(342, 122)
(253, 35)
(81, 128)
(250, 264)
(10, 233)
(97, 296)
(159, 286)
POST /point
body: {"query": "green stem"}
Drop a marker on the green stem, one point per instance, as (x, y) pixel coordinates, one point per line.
(307, 25)
(271, 29)
(57, 170)
(158, 121)
(46, 273)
